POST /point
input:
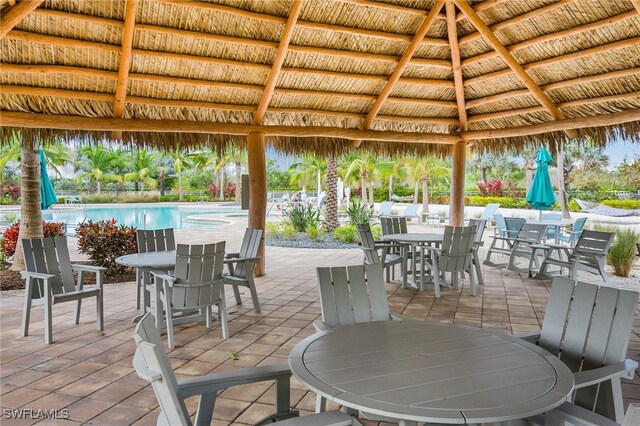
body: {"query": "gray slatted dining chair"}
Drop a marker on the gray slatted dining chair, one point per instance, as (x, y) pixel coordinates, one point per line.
(197, 284)
(241, 266)
(393, 225)
(152, 364)
(588, 327)
(574, 233)
(455, 256)
(589, 254)
(506, 238)
(529, 235)
(380, 251)
(480, 225)
(49, 281)
(150, 240)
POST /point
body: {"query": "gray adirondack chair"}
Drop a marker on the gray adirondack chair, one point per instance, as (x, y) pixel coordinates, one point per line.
(529, 236)
(380, 252)
(504, 236)
(588, 327)
(49, 281)
(241, 265)
(393, 225)
(384, 209)
(569, 414)
(480, 225)
(149, 241)
(589, 254)
(454, 256)
(197, 284)
(152, 364)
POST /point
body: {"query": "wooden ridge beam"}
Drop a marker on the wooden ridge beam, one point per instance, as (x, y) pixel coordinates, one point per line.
(281, 54)
(515, 20)
(125, 59)
(604, 48)
(555, 126)
(58, 69)
(175, 103)
(14, 14)
(579, 102)
(455, 62)
(552, 36)
(553, 86)
(402, 64)
(70, 122)
(512, 63)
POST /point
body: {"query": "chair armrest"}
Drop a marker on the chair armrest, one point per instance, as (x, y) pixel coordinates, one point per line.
(431, 248)
(242, 259)
(383, 244)
(162, 275)
(398, 317)
(581, 250)
(87, 268)
(528, 337)
(320, 326)
(498, 237)
(231, 255)
(569, 413)
(213, 382)
(624, 369)
(37, 275)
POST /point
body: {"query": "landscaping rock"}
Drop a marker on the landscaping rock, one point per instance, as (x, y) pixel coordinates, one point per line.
(303, 241)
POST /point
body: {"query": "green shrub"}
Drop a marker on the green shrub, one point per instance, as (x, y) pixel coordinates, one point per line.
(289, 232)
(9, 217)
(170, 197)
(376, 231)
(622, 204)
(193, 198)
(506, 202)
(136, 198)
(622, 253)
(301, 217)
(314, 233)
(98, 198)
(346, 234)
(360, 213)
(104, 241)
(272, 228)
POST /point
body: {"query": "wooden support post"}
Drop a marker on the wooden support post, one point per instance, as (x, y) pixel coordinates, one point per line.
(257, 190)
(456, 202)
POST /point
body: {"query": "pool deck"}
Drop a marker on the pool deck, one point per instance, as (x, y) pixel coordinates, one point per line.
(91, 375)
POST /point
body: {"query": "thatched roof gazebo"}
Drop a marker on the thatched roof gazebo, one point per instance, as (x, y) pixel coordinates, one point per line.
(394, 75)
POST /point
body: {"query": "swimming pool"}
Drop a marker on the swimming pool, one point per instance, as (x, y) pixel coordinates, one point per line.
(140, 217)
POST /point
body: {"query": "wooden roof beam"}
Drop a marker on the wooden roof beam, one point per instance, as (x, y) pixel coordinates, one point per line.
(125, 61)
(554, 126)
(460, 16)
(13, 15)
(552, 86)
(402, 64)
(71, 122)
(553, 36)
(281, 54)
(455, 62)
(513, 64)
(176, 103)
(636, 5)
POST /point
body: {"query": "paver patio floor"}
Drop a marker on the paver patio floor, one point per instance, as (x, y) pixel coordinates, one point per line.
(91, 375)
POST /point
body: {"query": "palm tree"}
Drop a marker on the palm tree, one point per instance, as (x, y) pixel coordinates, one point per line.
(238, 157)
(97, 162)
(143, 166)
(331, 216)
(364, 167)
(423, 169)
(529, 154)
(307, 170)
(56, 155)
(390, 169)
(182, 159)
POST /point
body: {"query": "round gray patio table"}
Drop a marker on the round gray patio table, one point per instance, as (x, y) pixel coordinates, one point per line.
(414, 239)
(145, 263)
(555, 225)
(415, 371)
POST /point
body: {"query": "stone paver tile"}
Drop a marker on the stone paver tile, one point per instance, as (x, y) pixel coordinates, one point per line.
(53, 382)
(84, 387)
(21, 396)
(119, 415)
(54, 365)
(55, 400)
(86, 409)
(83, 369)
(247, 393)
(114, 392)
(229, 409)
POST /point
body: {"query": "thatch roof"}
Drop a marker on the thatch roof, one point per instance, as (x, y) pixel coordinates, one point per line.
(168, 71)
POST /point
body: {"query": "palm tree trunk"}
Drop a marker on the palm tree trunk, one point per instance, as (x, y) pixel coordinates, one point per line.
(425, 196)
(319, 182)
(30, 211)
(98, 186)
(363, 188)
(390, 186)
(415, 192)
(238, 181)
(371, 200)
(222, 184)
(331, 216)
(561, 188)
(180, 190)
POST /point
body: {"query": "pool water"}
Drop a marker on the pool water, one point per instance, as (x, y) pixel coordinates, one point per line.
(140, 217)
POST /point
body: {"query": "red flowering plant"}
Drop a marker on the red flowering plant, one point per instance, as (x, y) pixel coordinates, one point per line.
(104, 241)
(229, 191)
(492, 188)
(10, 192)
(10, 235)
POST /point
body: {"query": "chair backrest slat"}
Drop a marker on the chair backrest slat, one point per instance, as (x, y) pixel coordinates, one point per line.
(249, 248)
(595, 240)
(64, 263)
(600, 331)
(352, 294)
(577, 326)
(513, 225)
(489, 211)
(480, 225)
(556, 315)
(368, 244)
(532, 232)
(621, 326)
(393, 225)
(49, 256)
(457, 245)
(578, 226)
(151, 240)
(500, 222)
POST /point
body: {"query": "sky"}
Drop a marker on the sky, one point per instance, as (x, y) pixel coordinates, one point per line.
(618, 150)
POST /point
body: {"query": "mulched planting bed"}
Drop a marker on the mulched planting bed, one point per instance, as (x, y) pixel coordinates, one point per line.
(303, 241)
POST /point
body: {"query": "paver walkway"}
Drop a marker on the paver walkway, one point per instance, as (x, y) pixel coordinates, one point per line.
(90, 375)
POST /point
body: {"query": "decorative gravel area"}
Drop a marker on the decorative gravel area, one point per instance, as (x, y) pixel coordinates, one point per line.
(303, 241)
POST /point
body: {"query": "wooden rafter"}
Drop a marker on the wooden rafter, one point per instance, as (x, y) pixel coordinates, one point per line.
(71, 122)
(513, 64)
(281, 54)
(553, 36)
(478, 7)
(636, 5)
(585, 53)
(402, 64)
(455, 63)
(175, 103)
(125, 58)
(12, 16)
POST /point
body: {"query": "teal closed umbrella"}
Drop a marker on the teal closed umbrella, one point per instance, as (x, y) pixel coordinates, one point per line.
(47, 194)
(541, 196)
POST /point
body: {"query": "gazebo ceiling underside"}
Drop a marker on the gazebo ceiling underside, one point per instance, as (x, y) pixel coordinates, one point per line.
(209, 66)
